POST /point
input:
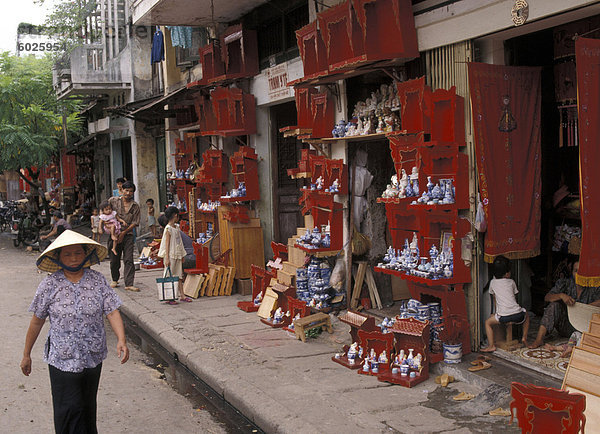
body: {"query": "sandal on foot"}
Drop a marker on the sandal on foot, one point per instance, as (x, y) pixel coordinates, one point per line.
(480, 366)
(499, 412)
(186, 299)
(172, 302)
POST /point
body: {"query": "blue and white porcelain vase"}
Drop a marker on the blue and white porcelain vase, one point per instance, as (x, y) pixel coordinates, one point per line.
(452, 353)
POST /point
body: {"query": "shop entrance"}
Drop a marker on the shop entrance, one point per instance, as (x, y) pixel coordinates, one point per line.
(286, 209)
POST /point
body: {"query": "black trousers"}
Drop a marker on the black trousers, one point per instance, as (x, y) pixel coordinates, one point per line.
(124, 249)
(74, 400)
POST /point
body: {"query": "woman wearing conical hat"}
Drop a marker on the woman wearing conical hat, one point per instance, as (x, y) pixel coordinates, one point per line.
(76, 299)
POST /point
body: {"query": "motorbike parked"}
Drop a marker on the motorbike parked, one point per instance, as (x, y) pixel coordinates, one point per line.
(25, 228)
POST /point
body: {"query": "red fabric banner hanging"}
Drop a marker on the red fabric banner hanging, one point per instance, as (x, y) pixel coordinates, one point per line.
(587, 57)
(506, 103)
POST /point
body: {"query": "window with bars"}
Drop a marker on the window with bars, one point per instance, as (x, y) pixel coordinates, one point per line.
(188, 57)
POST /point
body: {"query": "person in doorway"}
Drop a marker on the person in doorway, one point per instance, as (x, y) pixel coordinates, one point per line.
(151, 217)
(111, 223)
(504, 289)
(75, 299)
(95, 224)
(59, 225)
(129, 211)
(564, 293)
(172, 249)
(117, 192)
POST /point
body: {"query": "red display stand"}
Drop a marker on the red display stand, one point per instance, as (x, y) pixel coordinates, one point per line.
(358, 321)
(448, 116)
(544, 409)
(240, 52)
(202, 255)
(261, 278)
(343, 37)
(235, 112)
(303, 113)
(312, 51)
(244, 166)
(214, 168)
(379, 342)
(388, 29)
(336, 169)
(295, 307)
(213, 66)
(280, 251)
(304, 169)
(415, 100)
(332, 216)
(322, 107)
(412, 334)
(206, 115)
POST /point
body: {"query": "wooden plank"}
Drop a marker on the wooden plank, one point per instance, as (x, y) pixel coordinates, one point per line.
(230, 279)
(204, 286)
(213, 273)
(583, 381)
(268, 304)
(586, 361)
(247, 245)
(358, 282)
(591, 343)
(192, 285)
(594, 327)
(596, 317)
(373, 287)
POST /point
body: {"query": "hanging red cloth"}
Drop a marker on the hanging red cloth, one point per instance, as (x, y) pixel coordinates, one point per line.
(587, 57)
(506, 103)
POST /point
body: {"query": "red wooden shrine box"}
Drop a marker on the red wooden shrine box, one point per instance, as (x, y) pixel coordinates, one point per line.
(214, 168)
(244, 167)
(213, 67)
(410, 333)
(206, 115)
(357, 321)
(303, 125)
(303, 168)
(284, 293)
(185, 115)
(343, 36)
(280, 251)
(202, 255)
(240, 52)
(312, 51)
(295, 307)
(336, 169)
(415, 100)
(323, 113)
(448, 116)
(545, 410)
(235, 112)
(388, 28)
(379, 342)
(261, 278)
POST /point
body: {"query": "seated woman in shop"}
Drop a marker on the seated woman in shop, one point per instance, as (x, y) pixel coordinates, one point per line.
(564, 293)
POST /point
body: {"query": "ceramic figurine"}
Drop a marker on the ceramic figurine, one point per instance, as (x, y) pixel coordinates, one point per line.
(372, 355)
(410, 356)
(404, 368)
(367, 127)
(401, 356)
(418, 361)
(258, 299)
(447, 272)
(366, 365)
(360, 352)
(380, 126)
(319, 184)
(352, 352)
(383, 357)
(374, 366)
(414, 179)
(278, 316)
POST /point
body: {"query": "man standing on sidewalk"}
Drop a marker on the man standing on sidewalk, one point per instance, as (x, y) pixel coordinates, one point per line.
(129, 211)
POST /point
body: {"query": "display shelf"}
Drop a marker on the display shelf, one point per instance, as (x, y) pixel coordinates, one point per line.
(212, 62)
(244, 167)
(261, 279)
(343, 37)
(358, 321)
(447, 116)
(415, 100)
(323, 114)
(344, 361)
(379, 342)
(240, 52)
(213, 169)
(388, 28)
(205, 112)
(312, 51)
(235, 112)
(412, 334)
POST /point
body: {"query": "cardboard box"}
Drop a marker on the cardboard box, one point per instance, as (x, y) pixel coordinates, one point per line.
(268, 304)
(243, 286)
(289, 268)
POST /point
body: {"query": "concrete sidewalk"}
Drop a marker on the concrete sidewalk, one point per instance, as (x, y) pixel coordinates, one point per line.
(284, 385)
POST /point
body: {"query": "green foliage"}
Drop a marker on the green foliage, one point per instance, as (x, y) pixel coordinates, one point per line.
(31, 118)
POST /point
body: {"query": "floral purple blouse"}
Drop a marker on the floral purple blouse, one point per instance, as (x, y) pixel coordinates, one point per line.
(77, 339)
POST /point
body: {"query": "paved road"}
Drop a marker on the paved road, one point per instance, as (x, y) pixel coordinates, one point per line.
(132, 397)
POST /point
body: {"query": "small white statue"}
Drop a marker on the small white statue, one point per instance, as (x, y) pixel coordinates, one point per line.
(383, 357)
(372, 355)
(258, 299)
(320, 183)
(278, 316)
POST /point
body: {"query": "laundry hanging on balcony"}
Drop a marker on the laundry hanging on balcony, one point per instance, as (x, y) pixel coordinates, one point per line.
(181, 36)
(158, 47)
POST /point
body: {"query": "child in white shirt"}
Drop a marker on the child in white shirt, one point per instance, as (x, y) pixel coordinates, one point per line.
(503, 288)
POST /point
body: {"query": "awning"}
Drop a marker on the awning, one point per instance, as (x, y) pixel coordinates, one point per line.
(151, 109)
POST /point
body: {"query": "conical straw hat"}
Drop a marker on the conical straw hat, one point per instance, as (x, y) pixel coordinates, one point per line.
(70, 238)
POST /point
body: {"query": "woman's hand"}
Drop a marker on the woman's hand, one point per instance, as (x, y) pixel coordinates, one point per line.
(122, 351)
(567, 299)
(26, 365)
(166, 261)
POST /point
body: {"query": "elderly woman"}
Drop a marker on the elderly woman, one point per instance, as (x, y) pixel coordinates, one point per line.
(75, 298)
